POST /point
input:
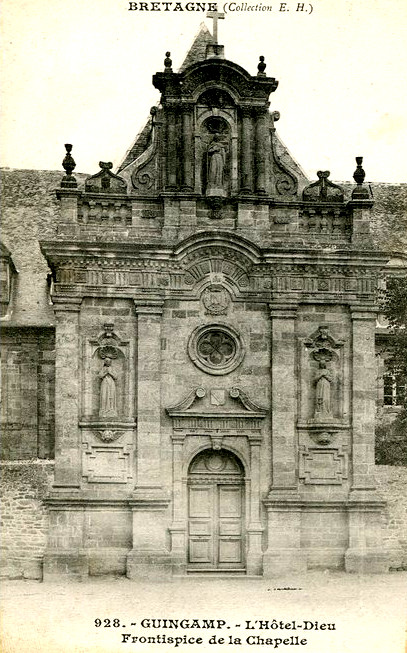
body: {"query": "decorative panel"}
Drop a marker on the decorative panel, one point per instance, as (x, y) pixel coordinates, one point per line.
(323, 465)
(107, 463)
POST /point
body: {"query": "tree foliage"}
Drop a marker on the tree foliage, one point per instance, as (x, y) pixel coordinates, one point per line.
(391, 439)
(394, 307)
(391, 442)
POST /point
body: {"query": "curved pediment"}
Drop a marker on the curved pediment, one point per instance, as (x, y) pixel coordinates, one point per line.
(217, 402)
(213, 239)
(217, 256)
(230, 75)
(236, 80)
(217, 412)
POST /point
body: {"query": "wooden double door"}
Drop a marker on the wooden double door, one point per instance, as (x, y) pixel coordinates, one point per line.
(216, 512)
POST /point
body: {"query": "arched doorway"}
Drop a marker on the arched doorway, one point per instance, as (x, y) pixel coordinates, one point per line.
(216, 512)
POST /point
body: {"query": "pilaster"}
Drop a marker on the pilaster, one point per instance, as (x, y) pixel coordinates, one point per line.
(363, 398)
(178, 527)
(171, 149)
(67, 436)
(283, 401)
(64, 554)
(255, 528)
(365, 553)
(149, 316)
(283, 553)
(187, 149)
(68, 224)
(246, 170)
(260, 155)
(149, 557)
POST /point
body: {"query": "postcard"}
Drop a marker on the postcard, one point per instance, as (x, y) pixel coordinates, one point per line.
(201, 203)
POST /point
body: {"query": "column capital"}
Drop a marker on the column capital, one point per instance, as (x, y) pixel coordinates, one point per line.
(67, 304)
(149, 307)
(178, 438)
(186, 106)
(247, 111)
(283, 311)
(363, 312)
(260, 112)
(255, 440)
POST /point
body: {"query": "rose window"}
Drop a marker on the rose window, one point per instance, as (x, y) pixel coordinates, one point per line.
(216, 349)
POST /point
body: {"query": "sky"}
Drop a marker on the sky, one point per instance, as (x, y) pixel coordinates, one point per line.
(80, 72)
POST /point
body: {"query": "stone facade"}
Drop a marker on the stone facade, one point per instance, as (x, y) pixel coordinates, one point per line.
(215, 372)
(25, 522)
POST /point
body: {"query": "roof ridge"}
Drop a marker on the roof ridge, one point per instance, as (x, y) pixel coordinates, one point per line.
(197, 51)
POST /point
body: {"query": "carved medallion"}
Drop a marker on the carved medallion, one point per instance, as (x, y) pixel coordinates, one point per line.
(109, 435)
(215, 463)
(216, 300)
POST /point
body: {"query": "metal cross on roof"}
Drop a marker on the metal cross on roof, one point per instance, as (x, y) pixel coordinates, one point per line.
(215, 15)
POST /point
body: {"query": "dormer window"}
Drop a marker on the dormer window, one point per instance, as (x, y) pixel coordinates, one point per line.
(8, 271)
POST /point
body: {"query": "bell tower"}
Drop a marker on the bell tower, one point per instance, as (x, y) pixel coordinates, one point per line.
(210, 138)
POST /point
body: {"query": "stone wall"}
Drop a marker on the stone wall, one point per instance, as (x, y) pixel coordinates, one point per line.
(24, 520)
(392, 486)
(28, 393)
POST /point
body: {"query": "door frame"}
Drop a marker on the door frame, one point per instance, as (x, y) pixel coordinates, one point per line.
(215, 481)
(246, 446)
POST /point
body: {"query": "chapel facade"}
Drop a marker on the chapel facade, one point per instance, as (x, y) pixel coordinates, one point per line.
(215, 363)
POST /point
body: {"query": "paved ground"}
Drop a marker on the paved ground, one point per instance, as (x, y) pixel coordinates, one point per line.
(369, 613)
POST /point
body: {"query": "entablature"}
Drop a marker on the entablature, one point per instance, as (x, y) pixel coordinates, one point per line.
(247, 272)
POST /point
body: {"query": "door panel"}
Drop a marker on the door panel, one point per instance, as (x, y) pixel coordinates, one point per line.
(200, 550)
(230, 528)
(230, 501)
(230, 551)
(200, 504)
(201, 524)
(230, 524)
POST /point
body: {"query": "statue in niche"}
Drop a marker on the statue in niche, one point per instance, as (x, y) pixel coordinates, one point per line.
(323, 399)
(216, 166)
(323, 385)
(108, 395)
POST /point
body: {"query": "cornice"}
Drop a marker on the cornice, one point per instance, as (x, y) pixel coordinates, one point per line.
(137, 251)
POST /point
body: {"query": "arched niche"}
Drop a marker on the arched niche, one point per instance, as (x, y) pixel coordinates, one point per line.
(108, 370)
(216, 155)
(216, 128)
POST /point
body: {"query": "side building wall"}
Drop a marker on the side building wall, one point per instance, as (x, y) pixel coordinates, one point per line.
(28, 393)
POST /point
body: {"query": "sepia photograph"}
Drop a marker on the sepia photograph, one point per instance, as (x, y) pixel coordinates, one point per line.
(203, 326)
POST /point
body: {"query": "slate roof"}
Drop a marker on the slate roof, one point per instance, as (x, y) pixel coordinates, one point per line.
(30, 211)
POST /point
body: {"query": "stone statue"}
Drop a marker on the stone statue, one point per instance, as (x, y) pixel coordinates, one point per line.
(323, 398)
(108, 403)
(216, 164)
